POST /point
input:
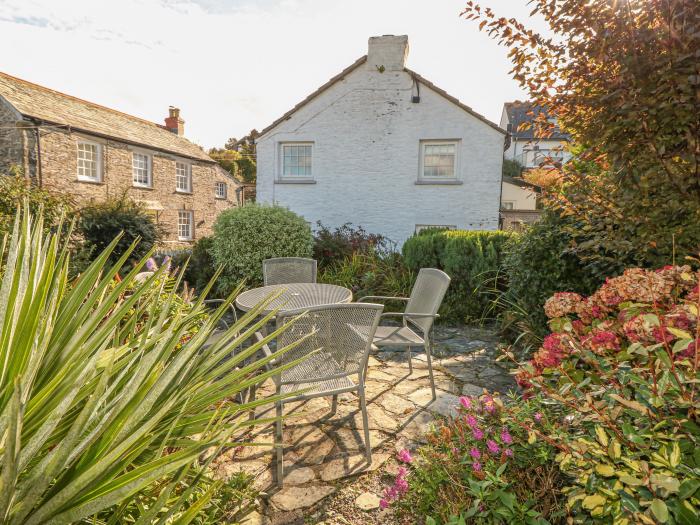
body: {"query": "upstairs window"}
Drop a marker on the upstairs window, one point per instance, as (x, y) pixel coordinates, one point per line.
(185, 221)
(141, 168)
(296, 160)
(438, 160)
(89, 161)
(183, 177)
(220, 190)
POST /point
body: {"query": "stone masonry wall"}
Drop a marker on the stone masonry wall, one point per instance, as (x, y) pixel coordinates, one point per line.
(12, 141)
(59, 172)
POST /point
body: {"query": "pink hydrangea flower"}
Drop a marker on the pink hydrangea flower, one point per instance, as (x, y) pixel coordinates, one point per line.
(465, 402)
(474, 452)
(405, 456)
(492, 446)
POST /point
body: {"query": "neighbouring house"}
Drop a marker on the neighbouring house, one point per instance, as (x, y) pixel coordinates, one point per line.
(380, 146)
(92, 152)
(518, 203)
(526, 145)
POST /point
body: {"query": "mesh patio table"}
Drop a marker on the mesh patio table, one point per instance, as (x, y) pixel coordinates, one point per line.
(294, 296)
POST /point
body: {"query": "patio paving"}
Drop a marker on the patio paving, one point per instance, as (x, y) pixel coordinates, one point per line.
(325, 471)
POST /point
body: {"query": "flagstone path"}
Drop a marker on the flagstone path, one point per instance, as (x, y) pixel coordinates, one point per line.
(327, 480)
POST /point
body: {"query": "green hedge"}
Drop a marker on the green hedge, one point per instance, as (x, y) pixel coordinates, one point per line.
(471, 258)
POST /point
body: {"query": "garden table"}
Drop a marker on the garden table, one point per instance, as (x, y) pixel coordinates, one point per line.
(293, 296)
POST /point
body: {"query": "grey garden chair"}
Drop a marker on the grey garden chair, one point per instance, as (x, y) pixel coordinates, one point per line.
(284, 270)
(418, 317)
(335, 341)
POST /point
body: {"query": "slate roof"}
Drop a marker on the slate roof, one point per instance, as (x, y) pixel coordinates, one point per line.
(352, 67)
(38, 102)
(524, 112)
(522, 183)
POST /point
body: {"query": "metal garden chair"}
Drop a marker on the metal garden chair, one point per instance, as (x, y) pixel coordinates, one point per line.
(418, 317)
(335, 341)
(284, 270)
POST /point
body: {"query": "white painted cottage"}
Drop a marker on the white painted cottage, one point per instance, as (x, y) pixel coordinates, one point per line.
(381, 147)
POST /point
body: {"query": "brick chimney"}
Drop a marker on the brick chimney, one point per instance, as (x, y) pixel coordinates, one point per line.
(173, 121)
(387, 53)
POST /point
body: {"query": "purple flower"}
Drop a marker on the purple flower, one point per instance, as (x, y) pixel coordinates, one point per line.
(401, 472)
(151, 265)
(405, 456)
(476, 466)
(489, 405)
(538, 417)
(401, 485)
(477, 433)
(474, 452)
(471, 421)
(506, 437)
(492, 446)
(465, 402)
(383, 503)
(508, 452)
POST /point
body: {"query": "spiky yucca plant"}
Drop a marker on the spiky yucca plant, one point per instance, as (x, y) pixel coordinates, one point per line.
(102, 397)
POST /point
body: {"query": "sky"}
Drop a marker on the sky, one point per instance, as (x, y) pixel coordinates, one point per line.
(235, 65)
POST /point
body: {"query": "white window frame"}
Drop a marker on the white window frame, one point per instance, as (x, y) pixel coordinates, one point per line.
(433, 142)
(305, 177)
(505, 207)
(98, 160)
(190, 215)
(222, 184)
(188, 174)
(149, 169)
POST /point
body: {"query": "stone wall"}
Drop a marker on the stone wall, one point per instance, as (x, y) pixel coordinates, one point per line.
(59, 173)
(515, 220)
(14, 142)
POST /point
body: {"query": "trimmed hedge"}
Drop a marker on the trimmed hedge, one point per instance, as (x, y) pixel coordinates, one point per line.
(471, 258)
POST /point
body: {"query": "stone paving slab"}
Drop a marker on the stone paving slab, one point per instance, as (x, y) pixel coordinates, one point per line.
(324, 452)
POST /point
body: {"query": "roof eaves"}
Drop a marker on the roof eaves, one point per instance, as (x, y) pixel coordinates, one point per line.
(324, 87)
(454, 100)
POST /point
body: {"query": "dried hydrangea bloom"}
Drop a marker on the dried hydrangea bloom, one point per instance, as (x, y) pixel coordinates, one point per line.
(561, 304)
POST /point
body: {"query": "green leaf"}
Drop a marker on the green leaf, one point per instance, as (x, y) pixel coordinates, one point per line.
(688, 487)
(593, 501)
(659, 510)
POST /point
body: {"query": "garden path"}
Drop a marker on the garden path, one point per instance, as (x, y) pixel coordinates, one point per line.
(326, 479)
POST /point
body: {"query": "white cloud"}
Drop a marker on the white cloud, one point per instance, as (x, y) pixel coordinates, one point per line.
(233, 65)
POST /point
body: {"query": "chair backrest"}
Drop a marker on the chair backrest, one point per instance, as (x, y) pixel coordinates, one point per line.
(342, 332)
(285, 270)
(426, 296)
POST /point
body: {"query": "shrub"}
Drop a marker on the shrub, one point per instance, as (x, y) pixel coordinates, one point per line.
(245, 236)
(623, 363)
(15, 190)
(371, 274)
(201, 267)
(471, 258)
(331, 246)
(100, 224)
(537, 263)
(482, 466)
(103, 400)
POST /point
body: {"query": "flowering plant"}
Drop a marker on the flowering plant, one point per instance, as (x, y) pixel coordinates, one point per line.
(624, 364)
(483, 467)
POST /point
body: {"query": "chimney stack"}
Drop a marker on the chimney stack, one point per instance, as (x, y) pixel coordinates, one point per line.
(387, 53)
(173, 122)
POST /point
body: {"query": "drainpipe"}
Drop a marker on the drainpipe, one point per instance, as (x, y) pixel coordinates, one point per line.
(38, 155)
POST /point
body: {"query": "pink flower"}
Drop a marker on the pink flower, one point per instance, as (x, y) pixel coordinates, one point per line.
(492, 446)
(474, 452)
(383, 503)
(508, 452)
(405, 456)
(401, 485)
(506, 437)
(476, 466)
(489, 405)
(471, 421)
(477, 433)
(465, 402)
(538, 417)
(401, 472)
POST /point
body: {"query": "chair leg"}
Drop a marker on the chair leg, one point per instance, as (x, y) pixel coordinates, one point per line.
(278, 445)
(365, 424)
(430, 367)
(334, 404)
(410, 359)
(251, 397)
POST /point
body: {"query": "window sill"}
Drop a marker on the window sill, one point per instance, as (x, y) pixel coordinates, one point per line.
(220, 198)
(183, 192)
(90, 181)
(295, 181)
(430, 182)
(184, 240)
(138, 187)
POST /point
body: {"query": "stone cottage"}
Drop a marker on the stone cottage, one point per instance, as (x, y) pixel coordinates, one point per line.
(386, 149)
(92, 152)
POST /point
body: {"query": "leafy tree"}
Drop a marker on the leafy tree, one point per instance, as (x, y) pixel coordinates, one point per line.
(512, 168)
(622, 78)
(245, 161)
